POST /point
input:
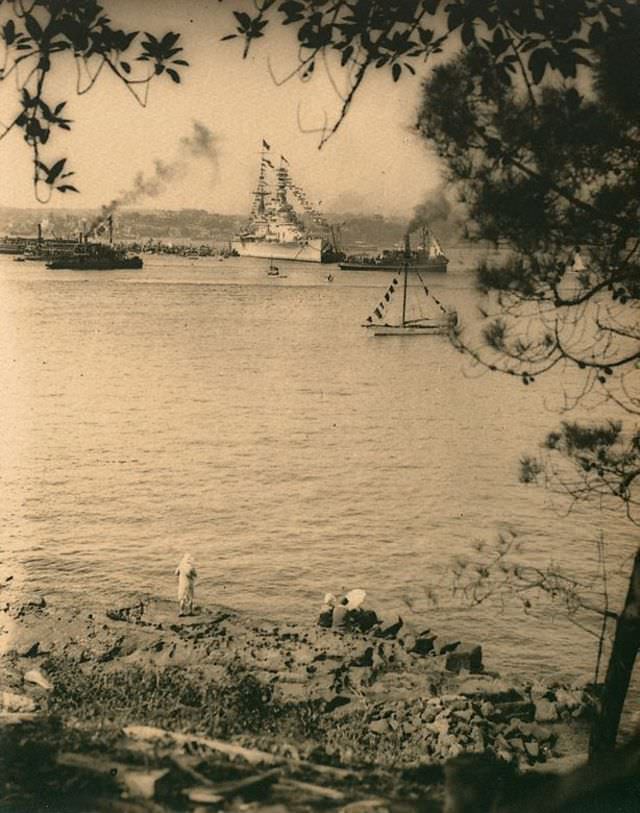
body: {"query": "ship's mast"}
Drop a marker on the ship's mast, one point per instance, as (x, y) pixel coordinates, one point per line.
(407, 255)
(261, 192)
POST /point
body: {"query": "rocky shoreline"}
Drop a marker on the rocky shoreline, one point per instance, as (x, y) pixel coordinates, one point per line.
(393, 699)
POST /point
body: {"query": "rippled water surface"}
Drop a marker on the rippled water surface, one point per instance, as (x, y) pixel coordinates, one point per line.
(203, 406)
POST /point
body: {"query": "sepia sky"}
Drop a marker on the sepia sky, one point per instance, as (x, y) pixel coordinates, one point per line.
(374, 163)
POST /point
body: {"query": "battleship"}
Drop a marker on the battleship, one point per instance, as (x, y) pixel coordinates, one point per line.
(275, 230)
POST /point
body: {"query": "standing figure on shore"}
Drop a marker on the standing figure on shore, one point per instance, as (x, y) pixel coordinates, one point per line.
(187, 574)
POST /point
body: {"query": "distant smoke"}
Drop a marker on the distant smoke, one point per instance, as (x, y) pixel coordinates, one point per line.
(200, 144)
(435, 209)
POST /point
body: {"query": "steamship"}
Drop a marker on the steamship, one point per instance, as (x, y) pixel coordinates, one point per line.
(275, 231)
(88, 256)
(428, 256)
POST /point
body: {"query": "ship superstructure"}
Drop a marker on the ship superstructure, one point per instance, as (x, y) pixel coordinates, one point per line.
(275, 230)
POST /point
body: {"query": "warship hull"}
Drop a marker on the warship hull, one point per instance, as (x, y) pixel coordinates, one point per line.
(314, 250)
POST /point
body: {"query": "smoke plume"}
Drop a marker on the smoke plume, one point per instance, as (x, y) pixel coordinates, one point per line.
(437, 213)
(201, 144)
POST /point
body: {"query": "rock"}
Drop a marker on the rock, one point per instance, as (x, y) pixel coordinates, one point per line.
(29, 649)
(325, 619)
(379, 726)
(448, 646)
(409, 642)
(569, 699)
(538, 732)
(389, 625)
(486, 709)
(12, 702)
(522, 709)
(335, 703)
(439, 726)
(533, 749)
(203, 796)
(361, 619)
(364, 659)
(545, 711)
(424, 646)
(485, 687)
(339, 615)
(466, 656)
(36, 676)
(142, 784)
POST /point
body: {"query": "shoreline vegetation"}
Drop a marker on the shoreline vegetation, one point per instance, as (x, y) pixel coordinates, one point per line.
(138, 709)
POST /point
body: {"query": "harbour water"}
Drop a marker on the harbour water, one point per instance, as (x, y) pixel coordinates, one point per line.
(199, 405)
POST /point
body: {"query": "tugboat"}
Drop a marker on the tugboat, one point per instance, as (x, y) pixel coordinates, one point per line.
(96, 256)
(429, 256)
(274, 229)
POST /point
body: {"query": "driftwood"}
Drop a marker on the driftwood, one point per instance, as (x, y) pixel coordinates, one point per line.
(253, 756)
(314, 790)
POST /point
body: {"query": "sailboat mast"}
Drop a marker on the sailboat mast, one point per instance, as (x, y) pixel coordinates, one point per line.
(407, 254)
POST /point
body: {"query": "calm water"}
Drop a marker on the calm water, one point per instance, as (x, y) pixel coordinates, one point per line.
(202, 406)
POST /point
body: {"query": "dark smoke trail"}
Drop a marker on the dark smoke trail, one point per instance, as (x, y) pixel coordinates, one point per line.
(435, 209)
(201, 144)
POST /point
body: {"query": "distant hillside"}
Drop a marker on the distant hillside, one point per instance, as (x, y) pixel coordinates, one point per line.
(353, 231)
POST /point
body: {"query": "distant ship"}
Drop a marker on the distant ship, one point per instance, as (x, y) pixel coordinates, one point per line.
(275, 231)
(96, 256)
(429, 256)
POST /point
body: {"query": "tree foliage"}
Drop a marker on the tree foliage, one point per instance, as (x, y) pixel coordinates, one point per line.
(37, 36)
(544, 167)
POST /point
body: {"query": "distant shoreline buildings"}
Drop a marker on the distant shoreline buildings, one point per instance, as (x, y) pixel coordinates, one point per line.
(356, 232)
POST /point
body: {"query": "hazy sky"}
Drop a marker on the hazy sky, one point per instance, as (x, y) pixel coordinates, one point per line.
(375, 162)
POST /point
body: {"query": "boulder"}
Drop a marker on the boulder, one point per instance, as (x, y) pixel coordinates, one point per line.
(486, 687)
(467, 657)
(36, 676)
(448, 646)
(389, 625)
(546, 711)
(378, 726)
(29, 649)
(12, 702)
(361, 619)
(325, 618)
(523, 709)
(424, 645)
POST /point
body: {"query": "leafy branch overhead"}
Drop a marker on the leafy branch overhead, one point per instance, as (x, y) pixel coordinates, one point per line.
(36, 37)
(398, 35)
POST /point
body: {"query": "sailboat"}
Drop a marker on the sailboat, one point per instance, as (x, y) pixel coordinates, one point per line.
(407, 317)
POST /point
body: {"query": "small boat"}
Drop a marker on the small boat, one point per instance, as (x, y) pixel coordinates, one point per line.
(274, 271)
(409, 318)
